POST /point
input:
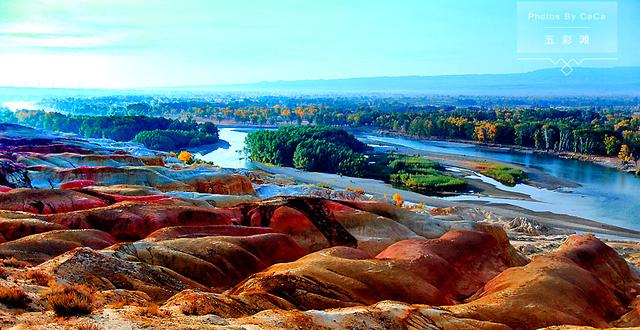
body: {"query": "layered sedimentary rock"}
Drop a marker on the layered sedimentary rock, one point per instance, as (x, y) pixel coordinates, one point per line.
(12, 229)
(200, 179)
(585, 282)
(204, 231)
(317, 223)
(438, 271)
(130, 221)
(47, 201)
(206, 263)
(38, 248)
(215, 261)
(70, 160)
(104, 271)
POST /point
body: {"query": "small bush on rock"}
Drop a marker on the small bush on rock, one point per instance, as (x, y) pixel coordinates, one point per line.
(13, 296)
(68, 300)
(38, 277)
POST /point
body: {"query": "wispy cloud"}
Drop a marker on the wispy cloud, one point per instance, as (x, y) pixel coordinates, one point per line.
(51, 38)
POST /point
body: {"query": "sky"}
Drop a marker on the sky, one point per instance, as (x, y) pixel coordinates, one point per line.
(154, 43)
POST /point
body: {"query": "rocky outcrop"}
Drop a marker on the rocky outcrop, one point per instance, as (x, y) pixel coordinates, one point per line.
(438, 271)
(200, 179)
(38, 248)
(383, 315)
(216, 261)
(131, 221)
(47, 201)
(203, 231)
(106, 272)
(12, 229)
(583, 283)
(317, 223)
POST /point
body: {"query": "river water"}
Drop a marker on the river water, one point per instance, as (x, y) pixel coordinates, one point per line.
(604, 194)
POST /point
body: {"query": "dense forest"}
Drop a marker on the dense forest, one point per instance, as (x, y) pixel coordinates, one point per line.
(309, 148)
(153, 132)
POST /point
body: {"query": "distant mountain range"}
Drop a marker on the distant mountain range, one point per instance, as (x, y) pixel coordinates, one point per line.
(546, 82)
(620, 81)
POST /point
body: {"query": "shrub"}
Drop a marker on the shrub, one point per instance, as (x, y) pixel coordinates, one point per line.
(3, 273)
(185, 157)
(13, 296)
(38, 277)
(70, 299)
(398, 199)
(325, 186)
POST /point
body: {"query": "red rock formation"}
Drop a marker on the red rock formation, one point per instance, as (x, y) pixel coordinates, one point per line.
(317, 223)
(105, 272)
(77, 184)
(226, 306)
(215, 261)
(162, 178)
(47, 201)
(130, 221)
(38, 248)
(222, 184)
(460, 262)
(203, 231)
(11, 229)
(584, 283)
(438, 271)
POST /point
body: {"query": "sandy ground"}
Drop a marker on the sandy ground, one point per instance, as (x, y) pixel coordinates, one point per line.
(379, 189)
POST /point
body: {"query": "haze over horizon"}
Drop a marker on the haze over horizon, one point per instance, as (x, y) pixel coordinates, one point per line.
(133, 44)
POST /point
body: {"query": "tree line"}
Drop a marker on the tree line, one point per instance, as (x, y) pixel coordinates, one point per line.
(153, 132)
(554, 130)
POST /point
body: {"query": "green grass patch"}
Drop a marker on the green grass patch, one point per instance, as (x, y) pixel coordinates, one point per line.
(429, 183)
(420, 174)
(502, 173)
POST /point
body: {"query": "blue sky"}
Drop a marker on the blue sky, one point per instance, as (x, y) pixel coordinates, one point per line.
(126, 43)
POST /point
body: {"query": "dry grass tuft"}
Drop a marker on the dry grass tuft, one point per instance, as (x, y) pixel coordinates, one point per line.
(38, 277)
(3, 273)
(13, 296)
(68, 300)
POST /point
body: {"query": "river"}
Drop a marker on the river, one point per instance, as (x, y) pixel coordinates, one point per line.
(605, 195)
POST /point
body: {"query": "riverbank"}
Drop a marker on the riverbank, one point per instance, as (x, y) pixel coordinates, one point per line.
(535, 177)
(609, 162)
(380, 189)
